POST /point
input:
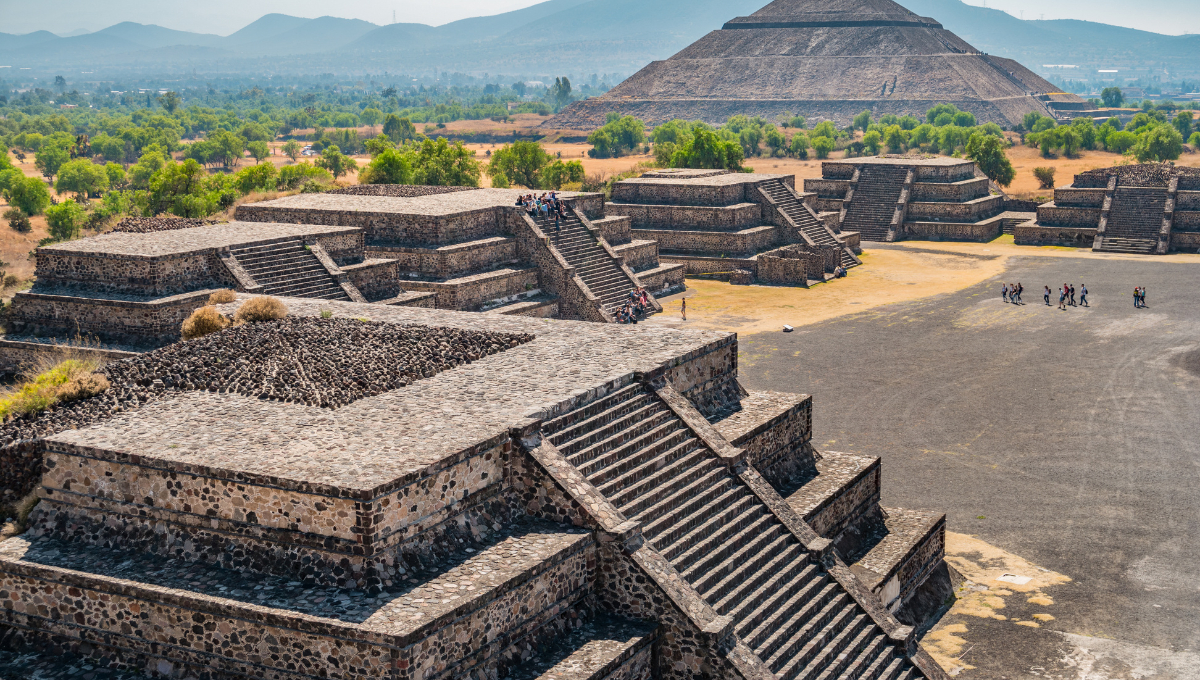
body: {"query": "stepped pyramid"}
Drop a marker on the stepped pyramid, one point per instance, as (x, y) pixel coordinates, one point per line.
(825, 61)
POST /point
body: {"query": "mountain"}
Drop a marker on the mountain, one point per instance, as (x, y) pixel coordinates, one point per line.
(572, 37)
(152, 37)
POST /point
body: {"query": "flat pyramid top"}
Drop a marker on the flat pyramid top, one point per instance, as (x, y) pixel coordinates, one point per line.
(831, 13)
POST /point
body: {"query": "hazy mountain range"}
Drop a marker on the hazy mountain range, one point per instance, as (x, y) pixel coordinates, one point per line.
(574, 37)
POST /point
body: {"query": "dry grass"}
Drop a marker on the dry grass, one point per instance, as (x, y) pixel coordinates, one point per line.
(261, 308)
(203, 321)
(18, 513)
(222, 297)
(53, 378)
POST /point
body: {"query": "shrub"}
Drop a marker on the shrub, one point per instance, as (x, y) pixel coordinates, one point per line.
(65, 220)
(222, 297)
(1045, 177)
(261, 308)
(1194, 140)
(83, 387)
(20, 222)
(823, 146)
(202, 322)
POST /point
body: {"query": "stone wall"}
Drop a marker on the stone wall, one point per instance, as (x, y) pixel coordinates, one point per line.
(1187, 200)
(1186, 221)
(1185, 242)
(841, 509)
(696, 264)
(657, 193)
(449, 261)
(639, 255)
(785, 271)
(744, 243)
(1073, 197)
(981, 232)
(957, 192)
(1052, 214)
(376, 279)
(1031, 234)
(970, 211)
(146, 276)
(113, 320)
(614, 229)
(16, 356)
(695, 218)
(468, 293)
(663, 281)
(828, 188)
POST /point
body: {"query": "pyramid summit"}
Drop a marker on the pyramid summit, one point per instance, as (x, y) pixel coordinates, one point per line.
(826, 61)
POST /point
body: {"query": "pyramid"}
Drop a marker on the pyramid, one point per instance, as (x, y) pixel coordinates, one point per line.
(825, 60)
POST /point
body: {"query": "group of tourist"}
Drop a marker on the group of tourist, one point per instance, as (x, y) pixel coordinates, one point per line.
(1066, 296)
(1011, 292)
(545, 206)
(839, 272)
(1139, 297)
(637, 304)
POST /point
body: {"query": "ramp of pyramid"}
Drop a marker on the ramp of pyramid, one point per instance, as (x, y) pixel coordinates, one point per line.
(823, 61)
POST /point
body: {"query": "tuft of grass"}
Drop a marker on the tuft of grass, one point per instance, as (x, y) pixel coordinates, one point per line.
(202, 322)
(326, 313)
(261, 308)
(50, 381)
(222, 297)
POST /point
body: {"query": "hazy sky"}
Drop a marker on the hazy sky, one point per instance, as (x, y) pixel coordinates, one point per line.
(225, 16)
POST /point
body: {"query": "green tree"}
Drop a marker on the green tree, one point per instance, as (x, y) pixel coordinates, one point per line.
(1163, 143)
(1121, 141)
(228, 148)
(894, 138)
(170, 101)
(822, 146)
(117, 179)
(292, 149)
(872, 141)
(83, 178)
(799, 145)
(442, 164)
(151, 162)
(336, 162)
(560, 173)
(1070, 141)
(617, 137)
(988, 153)
(707, 150)
(65, 220)
(1045, 177)
(371, 117)
(1043, 124)
(49, 159)
(775, 142)
(259, 151)
(261, 177)
(391, 166)
(1183, 123)
(29, 194)
(1112, 97)
(964, 119)
(399, 129)
(825, 129)
(1086, 128)
(560, 92)
(932, 115)
(863, 120)
(922, 135)
(521, 162)
(1194, 140)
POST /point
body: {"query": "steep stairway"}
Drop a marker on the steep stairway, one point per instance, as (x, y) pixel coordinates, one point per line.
(288, 269)
(723, 540)
(874, 202)
(601, 272)
(791, 205)
(1135, 220)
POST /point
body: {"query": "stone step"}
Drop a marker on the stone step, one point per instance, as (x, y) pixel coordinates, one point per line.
(670, 443)
(558, 425)
(793, 584)
(742, 568)
(604, 647)
(759, 540)
(804, 644)
(574, 437)
(796, 618)
(622, 421)
(734, 506)
(652, 514)
(867, 664)
(626, 442)
(823, 652)
(691, 511)
(680, 473)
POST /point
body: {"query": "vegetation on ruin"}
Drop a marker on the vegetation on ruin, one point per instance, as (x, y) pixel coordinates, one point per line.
(261, 308)
(221, 297)
(204, 321)
(52, 383)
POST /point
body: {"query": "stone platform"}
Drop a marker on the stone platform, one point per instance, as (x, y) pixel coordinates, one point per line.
(552, 509)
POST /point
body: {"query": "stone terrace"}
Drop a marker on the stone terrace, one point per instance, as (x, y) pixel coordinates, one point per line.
(434, 531)
(191, 240)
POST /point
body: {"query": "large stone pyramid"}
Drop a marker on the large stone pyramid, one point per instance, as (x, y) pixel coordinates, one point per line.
(824, 60)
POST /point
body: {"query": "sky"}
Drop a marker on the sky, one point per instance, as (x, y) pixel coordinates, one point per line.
(226, 16)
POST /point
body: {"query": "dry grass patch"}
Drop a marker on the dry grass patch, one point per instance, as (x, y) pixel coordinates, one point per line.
(51, 381)
(261, 308)
(222, 297)
(202, 322)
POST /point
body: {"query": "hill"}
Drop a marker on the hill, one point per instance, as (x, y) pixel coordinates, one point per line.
(573, 37)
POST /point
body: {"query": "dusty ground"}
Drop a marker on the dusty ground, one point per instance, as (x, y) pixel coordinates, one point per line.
(1060, 444)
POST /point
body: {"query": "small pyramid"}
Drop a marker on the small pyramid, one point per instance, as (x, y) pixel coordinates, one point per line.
(825, 60)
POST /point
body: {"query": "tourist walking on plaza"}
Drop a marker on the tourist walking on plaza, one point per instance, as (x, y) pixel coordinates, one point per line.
(1073, 296)
(1004, 292)
(1020, 289)
(1083, 294)
(1062, 298)
(1046, 296)
(683, 309)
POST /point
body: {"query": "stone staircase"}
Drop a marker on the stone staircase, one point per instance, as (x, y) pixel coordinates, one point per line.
(723, 539)
(873, 204)
(1135, 220)
(791, 205)
(601, 272)
(287, 268)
